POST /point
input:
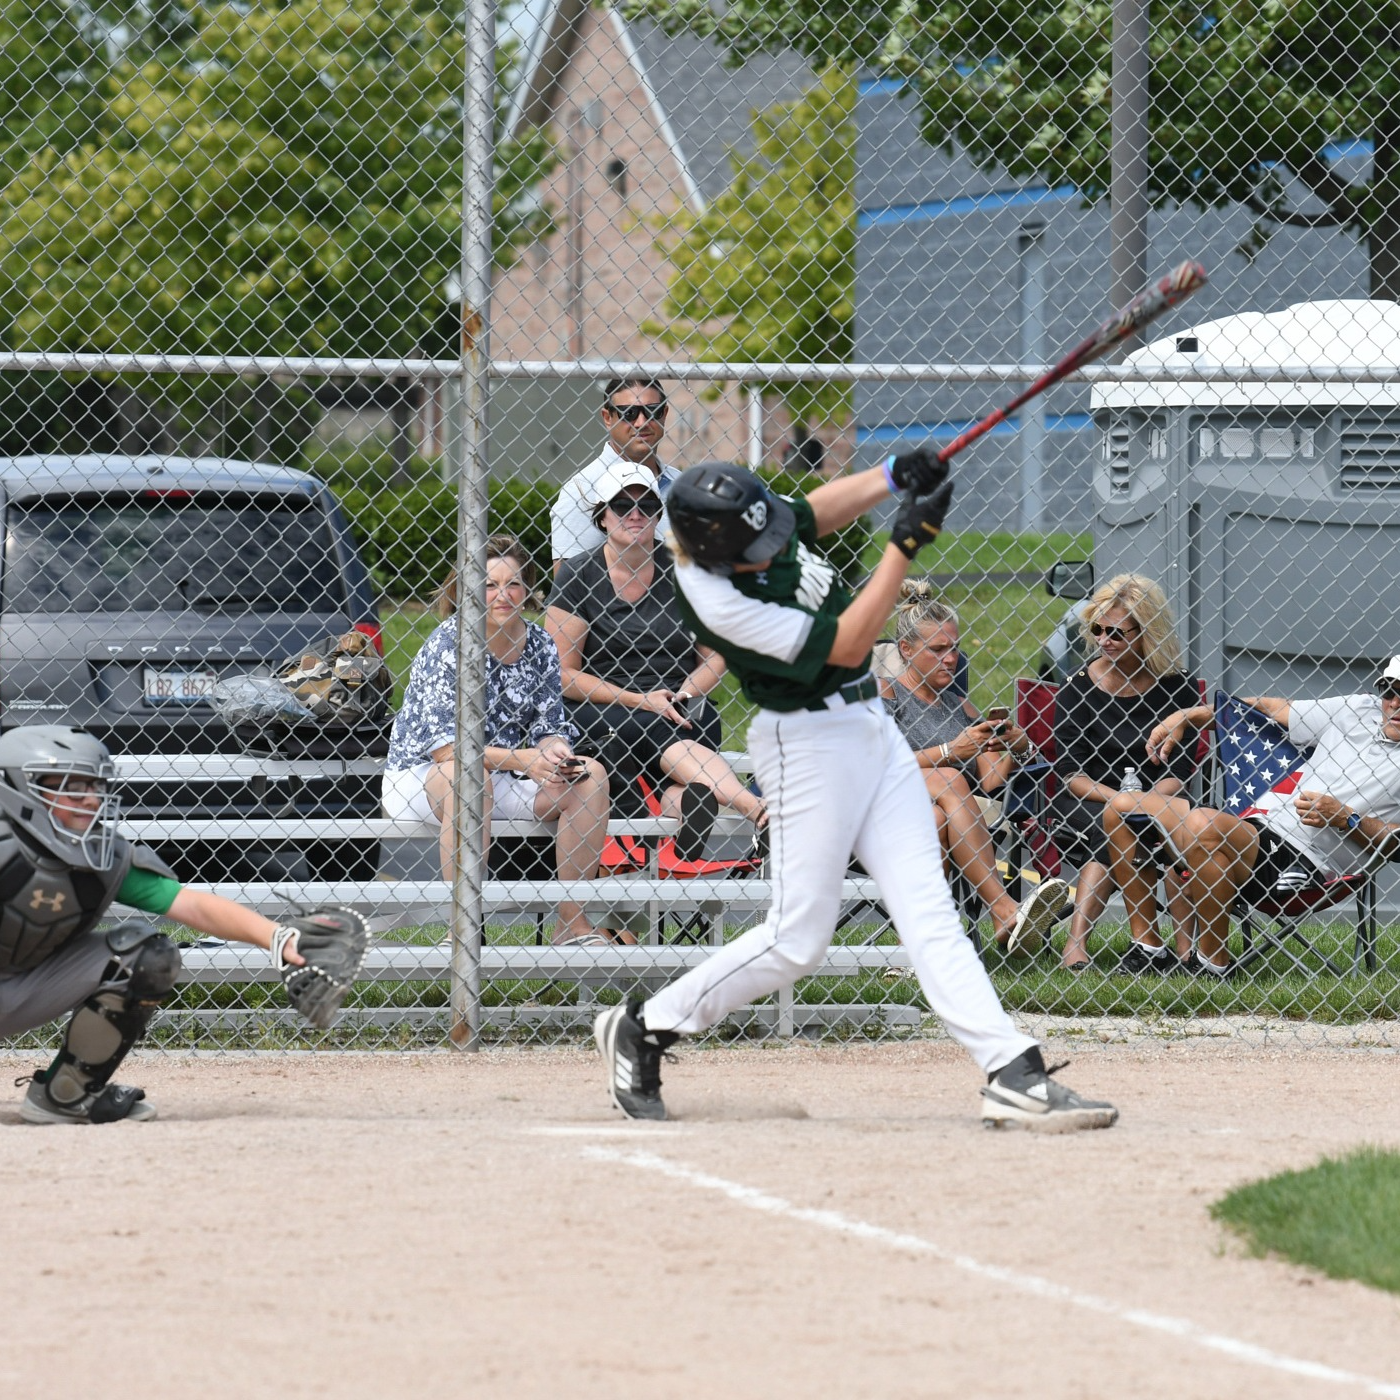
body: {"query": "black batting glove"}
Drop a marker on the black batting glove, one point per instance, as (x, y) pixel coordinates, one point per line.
(918, 471)
(920, 519)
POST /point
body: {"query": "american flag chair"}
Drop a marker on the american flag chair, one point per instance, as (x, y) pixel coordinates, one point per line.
(1255, 756)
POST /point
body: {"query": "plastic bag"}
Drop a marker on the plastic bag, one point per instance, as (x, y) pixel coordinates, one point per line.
(257, 700)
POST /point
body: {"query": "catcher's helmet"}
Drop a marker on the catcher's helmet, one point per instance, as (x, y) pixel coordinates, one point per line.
(724, 515)
(37, 751)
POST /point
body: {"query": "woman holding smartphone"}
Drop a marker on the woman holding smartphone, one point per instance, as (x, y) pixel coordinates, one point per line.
(531, 768)
(965, 760)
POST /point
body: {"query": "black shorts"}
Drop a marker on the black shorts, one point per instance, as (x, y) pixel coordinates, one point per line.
(1275, 857)
(1078, 829)
(629, 742)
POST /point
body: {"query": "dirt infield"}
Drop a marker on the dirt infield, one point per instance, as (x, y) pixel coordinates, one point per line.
(820, 1222)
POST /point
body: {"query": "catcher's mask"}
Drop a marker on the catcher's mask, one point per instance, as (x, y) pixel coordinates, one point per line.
(724, 515)
(44, 767)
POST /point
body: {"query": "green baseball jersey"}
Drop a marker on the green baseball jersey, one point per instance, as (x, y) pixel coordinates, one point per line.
(775, 629)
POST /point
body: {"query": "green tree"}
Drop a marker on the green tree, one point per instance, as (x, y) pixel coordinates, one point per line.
(767, 271)
(286, 182)
(1243, 93)
(46, 80)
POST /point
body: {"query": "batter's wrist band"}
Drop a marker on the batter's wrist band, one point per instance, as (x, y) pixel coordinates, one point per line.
(887, 467)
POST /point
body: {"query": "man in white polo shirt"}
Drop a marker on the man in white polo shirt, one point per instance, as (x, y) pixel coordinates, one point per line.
(1338, 814)
(634, 414)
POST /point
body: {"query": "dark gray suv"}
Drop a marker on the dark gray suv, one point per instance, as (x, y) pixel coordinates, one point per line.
(130, 585)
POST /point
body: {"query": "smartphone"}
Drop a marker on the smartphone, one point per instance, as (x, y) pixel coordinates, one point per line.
(1000, 716)
(571, 768)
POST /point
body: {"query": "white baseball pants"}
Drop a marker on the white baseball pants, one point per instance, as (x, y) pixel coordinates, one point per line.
(840, 782)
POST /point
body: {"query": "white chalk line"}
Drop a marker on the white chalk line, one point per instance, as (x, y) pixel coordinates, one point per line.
(1180, 1327)
(601, 1130)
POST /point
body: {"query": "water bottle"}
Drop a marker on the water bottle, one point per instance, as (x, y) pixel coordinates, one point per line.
(1144, 829)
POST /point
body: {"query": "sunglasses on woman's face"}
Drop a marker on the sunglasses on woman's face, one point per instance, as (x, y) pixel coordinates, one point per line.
(635, 412)
(1098, 631)
(1388, 690)
(646, 503)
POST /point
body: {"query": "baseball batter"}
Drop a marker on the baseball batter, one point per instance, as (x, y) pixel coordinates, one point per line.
(836, 772)
(62, 865)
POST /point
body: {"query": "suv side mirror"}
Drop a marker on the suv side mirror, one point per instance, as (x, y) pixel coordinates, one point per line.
(1070, 578)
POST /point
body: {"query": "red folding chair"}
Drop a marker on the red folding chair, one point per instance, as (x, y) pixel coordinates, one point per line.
(1028, 802)
(623, 855)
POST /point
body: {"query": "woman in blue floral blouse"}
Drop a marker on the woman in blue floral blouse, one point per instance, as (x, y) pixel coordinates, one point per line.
(531, 769)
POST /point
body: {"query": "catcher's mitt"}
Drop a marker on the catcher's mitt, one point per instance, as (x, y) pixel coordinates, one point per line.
(334, 943)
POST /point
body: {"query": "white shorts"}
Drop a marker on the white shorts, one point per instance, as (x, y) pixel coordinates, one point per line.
(406, 799)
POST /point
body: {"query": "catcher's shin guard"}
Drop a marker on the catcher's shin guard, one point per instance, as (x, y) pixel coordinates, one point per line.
(141, 975)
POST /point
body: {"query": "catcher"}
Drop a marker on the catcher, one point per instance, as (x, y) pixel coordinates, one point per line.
(61, 865)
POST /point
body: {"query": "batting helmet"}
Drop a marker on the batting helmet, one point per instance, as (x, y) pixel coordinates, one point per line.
(48, 751)
(723, 515)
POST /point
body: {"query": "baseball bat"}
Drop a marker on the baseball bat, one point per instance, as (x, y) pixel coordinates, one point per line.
(1144, 308)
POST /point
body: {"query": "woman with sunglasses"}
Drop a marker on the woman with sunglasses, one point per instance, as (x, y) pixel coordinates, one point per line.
(631, 668)
(1103, 716)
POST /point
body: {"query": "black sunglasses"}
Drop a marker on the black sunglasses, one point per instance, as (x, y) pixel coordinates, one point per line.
(635, 412)
(646, 503)
(1113, 634)
(1388, 690)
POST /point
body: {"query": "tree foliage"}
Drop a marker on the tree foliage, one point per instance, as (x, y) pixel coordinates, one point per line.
(260, 178)
(767, 271)
(1246, 95)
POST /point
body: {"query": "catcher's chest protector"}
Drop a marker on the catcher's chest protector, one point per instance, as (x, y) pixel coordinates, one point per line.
(44, 903)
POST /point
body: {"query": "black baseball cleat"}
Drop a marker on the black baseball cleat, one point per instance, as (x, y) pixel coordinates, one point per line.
(1023, 1095)
(115, 1104)
(632, 1057)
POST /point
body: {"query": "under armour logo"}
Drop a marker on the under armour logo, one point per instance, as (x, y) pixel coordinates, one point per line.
(756, 516)
(55, 901)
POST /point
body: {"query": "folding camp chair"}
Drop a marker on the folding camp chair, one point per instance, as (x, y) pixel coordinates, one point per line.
(1256, 756)
(1025, 813)
(628, 854)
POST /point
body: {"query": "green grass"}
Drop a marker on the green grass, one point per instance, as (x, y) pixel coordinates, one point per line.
(1341, 1217)
(1274, 992)
(406, 627)
(971, 551)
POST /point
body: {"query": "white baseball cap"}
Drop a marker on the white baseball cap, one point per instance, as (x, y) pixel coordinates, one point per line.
(622, 476)
(1391, 672)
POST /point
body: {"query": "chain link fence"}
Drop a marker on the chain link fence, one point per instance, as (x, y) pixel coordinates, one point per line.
(285, 337)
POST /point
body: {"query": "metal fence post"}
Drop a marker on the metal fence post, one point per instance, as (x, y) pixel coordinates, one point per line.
(468, 873)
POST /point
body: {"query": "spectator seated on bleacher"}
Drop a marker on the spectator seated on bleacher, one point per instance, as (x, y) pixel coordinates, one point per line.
(636, 679)
(965, 762)
(531, 769)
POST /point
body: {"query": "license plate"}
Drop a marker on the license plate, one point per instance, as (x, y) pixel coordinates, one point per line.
(178, 687)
